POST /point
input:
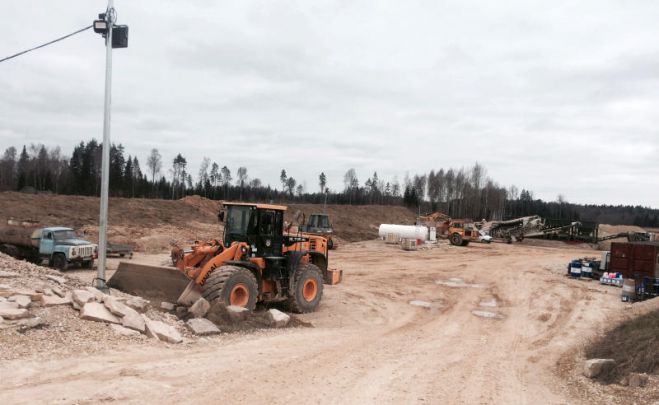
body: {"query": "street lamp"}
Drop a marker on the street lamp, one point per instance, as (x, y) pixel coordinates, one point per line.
(116, 36)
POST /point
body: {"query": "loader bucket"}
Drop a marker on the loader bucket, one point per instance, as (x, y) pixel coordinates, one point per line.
(151, 282)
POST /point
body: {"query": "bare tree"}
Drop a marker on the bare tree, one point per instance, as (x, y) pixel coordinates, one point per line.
(215, 176)
(226, 180)
(283, 177)
(242, 178)
(154, 163)
(290, 185)
(203, 173)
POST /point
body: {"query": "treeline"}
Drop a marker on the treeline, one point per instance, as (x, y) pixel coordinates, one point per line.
(461, 193)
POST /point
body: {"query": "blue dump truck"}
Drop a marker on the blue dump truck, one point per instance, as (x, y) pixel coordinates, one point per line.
(60, 246)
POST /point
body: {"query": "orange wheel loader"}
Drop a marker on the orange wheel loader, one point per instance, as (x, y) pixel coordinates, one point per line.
(255, 261)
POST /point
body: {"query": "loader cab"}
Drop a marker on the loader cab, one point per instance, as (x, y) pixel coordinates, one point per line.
(259, 225)
(319, 223)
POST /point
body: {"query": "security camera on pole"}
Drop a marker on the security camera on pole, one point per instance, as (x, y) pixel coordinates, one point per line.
(116, 36)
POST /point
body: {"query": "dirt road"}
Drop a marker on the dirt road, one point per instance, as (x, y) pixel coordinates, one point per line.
(368, 344)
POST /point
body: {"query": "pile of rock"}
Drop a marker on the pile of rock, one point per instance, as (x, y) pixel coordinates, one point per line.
(126, 315)
(16, 303)
(594, 368)
(202, 318)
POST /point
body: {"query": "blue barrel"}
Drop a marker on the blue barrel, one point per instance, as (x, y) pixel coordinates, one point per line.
(587, 270)
(575, 268)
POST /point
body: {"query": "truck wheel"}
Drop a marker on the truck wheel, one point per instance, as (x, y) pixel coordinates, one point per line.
(59, 262)
(307, 289)
(231, 285)
(456, 239)
(465, 243)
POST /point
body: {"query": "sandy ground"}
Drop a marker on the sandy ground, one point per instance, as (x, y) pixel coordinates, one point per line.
(367, 343)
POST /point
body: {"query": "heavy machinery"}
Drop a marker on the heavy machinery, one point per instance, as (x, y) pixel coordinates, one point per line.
(459, 232)
(256, 261)
(319, 224)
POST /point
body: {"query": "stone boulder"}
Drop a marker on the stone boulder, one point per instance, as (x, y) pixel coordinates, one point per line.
(23, 301)
(8, 305)
(30, 323)
(595, 367)
(638, 380)
(161, 331)
(120, 330)
(200, 308)
(134, 321)
(81, 297)
(51, 300)
(276, 318)
(98, 294)
(95, 311)
(139, 304)
(202, 327)
(14, 313)
(117, 307)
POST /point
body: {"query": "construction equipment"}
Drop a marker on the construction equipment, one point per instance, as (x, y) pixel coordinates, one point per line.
(459, 231)
(631, 236)
(256, 261)
(319, 224)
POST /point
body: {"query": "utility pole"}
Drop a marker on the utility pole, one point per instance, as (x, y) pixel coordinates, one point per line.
(105, 25)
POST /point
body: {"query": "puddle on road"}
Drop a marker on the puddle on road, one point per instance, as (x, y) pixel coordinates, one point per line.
(486, 314)
(490, 302)
(458, 283)
(422, 304)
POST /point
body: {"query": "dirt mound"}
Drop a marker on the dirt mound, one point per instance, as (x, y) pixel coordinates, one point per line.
(150, 225)
(354, 223)
(633, 345)
(78, 211)
(607, 230)
(208, 207)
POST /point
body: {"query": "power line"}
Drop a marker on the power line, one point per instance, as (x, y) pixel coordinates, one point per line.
(46, 44)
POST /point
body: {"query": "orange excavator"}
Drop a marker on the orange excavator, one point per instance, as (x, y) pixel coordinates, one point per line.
(257, 260)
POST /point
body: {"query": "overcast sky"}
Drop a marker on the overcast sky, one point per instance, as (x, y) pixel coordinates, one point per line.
(556, 97)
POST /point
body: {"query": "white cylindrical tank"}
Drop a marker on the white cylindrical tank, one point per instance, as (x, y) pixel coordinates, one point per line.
(404, 231)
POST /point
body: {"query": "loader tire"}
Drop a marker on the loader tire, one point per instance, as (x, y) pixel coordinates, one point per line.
(231, 285)
(307, 289)
(59, 262)
(456, 239)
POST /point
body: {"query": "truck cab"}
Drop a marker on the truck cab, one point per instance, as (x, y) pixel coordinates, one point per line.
(62, 247)
(319, 224)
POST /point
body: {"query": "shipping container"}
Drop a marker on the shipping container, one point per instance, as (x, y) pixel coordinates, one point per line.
(635, 259)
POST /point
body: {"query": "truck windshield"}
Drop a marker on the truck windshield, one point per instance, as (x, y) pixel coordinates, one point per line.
(237, 220)
(319, 221)
(61, 235)
(323, 222)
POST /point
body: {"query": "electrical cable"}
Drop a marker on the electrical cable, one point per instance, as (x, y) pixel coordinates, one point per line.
(46, 44)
